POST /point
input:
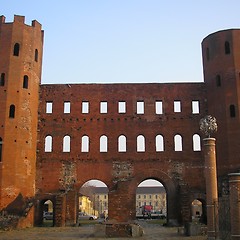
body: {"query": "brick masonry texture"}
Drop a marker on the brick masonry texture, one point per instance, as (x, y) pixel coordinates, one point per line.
(29, 173)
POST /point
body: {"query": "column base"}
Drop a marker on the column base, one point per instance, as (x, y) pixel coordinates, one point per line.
(111, 230)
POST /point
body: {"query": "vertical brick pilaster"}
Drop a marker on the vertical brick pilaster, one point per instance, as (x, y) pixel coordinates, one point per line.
(60, 211)
(71, 208)
(122, 204)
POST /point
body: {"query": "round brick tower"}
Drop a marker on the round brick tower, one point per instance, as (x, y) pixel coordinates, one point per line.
(221, 65)
(21, 48)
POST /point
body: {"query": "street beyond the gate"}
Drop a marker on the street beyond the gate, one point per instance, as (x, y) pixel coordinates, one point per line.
(151, 232)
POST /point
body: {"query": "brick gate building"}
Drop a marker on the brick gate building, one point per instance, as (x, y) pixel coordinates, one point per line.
(54, 138)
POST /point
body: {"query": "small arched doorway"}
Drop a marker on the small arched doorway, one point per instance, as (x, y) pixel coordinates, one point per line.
(47, 213)
(199, 211)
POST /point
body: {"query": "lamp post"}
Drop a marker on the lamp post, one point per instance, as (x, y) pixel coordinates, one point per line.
(208, 126)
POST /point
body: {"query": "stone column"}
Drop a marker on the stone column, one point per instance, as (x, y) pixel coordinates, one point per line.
(211, 188)
(234, 187)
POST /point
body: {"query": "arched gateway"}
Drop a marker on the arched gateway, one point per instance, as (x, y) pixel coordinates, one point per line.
(54, 138)
(132, 149)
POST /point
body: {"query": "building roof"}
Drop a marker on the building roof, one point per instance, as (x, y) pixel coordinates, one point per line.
(150, 190)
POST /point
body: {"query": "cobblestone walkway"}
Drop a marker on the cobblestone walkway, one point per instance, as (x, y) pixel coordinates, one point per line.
(151, 232)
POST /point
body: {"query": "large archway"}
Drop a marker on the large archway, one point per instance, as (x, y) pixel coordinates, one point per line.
(151, 200)
(172, 210)
(93, 201)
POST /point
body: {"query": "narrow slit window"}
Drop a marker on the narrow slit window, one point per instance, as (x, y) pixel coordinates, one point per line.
(227, 47)
(121, 107)
(159, 107)
(1, 146)
(103, 143)
(177, 106)
(85, 107)
(218, 81)
(48, 143)
(103, 107)
(140, 107)
(12, 111)
(232, 111)
(36, 55)
(66, 144)
(195, 107)
(85, 144)
(16, 49)
(67, 107)
(2, 80)
(122, 143)
(49, 107)
(25, 82)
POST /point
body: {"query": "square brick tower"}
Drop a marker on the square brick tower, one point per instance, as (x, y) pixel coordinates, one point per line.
(21, 48)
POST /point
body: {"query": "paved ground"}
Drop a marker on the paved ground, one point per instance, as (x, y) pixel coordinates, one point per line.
(151, 232)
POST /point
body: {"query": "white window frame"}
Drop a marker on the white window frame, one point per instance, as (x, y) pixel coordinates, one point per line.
(195, 107)
(49, 107)
(122, 107)
(140, 107)
(85, 107)
(159, 107)
(103, 107)
(67, 107)
(177, 106)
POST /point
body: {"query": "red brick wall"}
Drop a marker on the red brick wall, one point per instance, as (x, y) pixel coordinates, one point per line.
(120, 169)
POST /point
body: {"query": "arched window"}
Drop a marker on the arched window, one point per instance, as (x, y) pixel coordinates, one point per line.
(232, 111)
(140, 143)
(48, 143)
(218, 81)
(1, 143)
(66, 143)
(36, 55)
(207, 53)
(12, 111)
(103, 143)
(85, 144)
(122, 143)
(25, 81)
(196, 142)
(2, 80)
(159, 143)
(178, 143)
(227, 47)
(16, 49)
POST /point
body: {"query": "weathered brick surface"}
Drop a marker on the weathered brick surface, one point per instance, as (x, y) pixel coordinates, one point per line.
(28, 170)
(19, 133)
(121, 171)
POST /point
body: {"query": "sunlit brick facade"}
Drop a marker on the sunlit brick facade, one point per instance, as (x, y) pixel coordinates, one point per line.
(56, 137)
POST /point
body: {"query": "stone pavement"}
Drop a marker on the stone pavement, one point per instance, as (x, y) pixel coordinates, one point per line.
(151, 232)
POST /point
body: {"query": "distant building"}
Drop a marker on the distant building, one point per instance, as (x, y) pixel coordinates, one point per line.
(86, 205)
(100, 199)
(154, 196)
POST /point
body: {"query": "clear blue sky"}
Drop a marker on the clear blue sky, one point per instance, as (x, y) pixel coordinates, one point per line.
(112, 41)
